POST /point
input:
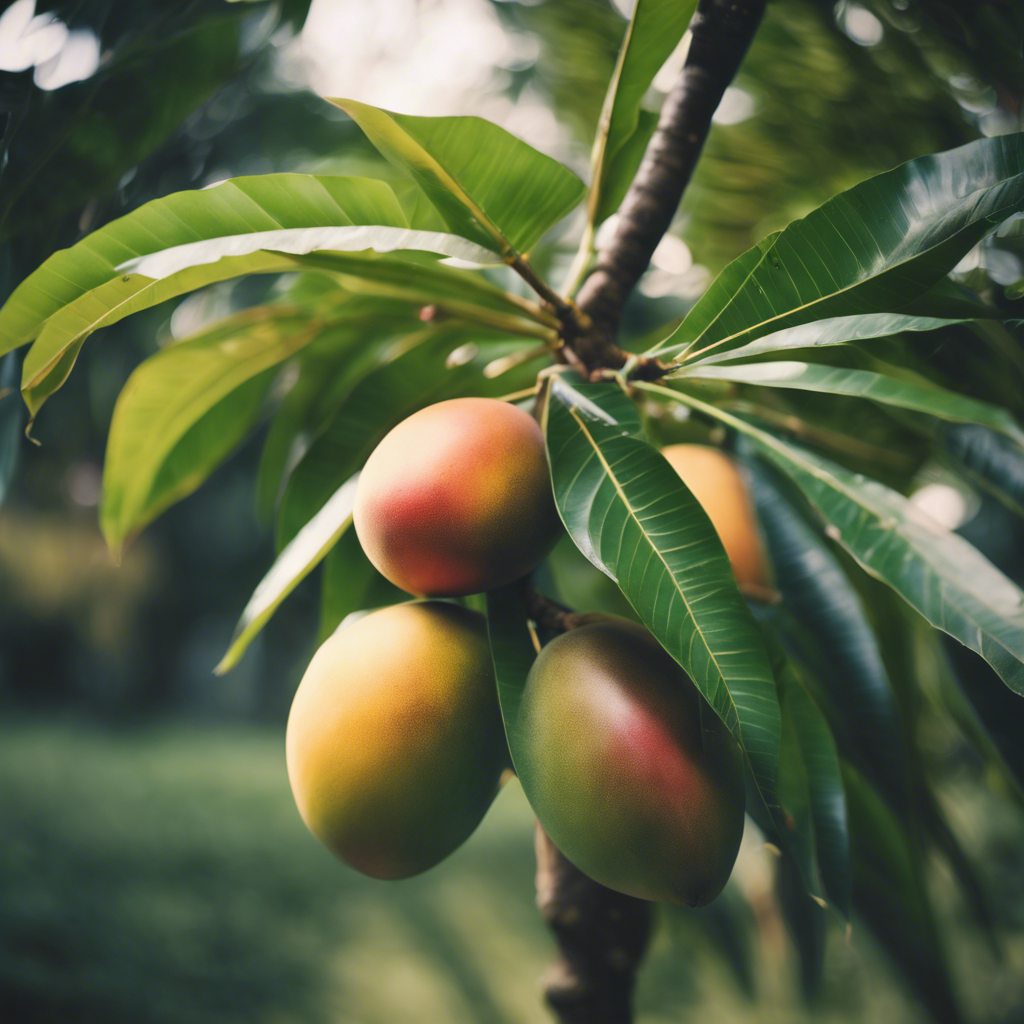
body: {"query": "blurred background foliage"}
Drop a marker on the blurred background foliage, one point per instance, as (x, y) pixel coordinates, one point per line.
(153, 865)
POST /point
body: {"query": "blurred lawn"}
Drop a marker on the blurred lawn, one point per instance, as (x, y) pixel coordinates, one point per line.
(165, 876)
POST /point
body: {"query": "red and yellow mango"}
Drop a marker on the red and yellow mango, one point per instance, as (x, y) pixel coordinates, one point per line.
(395, 744)
(457, 499)
(632, 775)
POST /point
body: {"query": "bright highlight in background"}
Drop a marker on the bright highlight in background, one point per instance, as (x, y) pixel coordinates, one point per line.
(43, 41)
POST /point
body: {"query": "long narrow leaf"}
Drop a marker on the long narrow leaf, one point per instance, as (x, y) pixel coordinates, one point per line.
(873, 248)
(889, 891)
(487, 185)
(513, 653)
(920, 397)
(628, 511)
(840, 330)
(191, 239)
(654, 31)
(946, 579)
(172, 391)
(236, 207)
(814, 760)
(292, 566)
(844, 654)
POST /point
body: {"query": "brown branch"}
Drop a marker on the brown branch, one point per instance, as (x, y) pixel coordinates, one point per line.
(721, 34)
(602, 937)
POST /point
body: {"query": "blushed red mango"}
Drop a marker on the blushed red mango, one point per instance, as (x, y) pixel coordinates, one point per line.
(395, 744)
(717, 484)
(632, 775)
(457, 499)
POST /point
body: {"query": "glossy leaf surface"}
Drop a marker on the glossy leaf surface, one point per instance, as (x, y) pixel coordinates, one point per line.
(351, 584)
(873, 248)
(889, 891)
(922, 396)
(488, 186)
(513, 654)
(631, 515)
(838, 644)
(810, 789)
(290, 567)
(937, 572)
(840, 330)
(188, 240)
(171, 392)
(654, 31)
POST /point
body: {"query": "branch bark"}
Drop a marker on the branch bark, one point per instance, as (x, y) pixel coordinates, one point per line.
(602, 935)
(721, 34)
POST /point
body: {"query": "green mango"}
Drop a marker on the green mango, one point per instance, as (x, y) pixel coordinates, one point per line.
(628, 769)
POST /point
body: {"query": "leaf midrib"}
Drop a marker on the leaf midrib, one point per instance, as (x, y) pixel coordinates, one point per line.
(629, 508)
(682, 357)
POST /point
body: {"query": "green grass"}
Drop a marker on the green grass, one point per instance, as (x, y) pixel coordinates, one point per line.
(166, 877)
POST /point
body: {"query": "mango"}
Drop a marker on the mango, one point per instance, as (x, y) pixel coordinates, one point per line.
(395, 744)
(629, 771)
(718, 485)
(457, 499)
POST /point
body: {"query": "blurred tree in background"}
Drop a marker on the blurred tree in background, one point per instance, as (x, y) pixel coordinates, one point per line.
(182, 96)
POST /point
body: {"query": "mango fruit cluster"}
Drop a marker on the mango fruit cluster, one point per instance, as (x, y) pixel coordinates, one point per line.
(395, 742)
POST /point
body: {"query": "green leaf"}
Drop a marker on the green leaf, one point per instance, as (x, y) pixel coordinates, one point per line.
(810, 789)
(654, 31)
(487, 185)
(871, 249)
(10, 422)
(840, 330)
(937, 572)
(631, 515)
(351, 584)
(191, 239)
(167, 397)
(990, 462)
(236, 207)
(420, 278)
(416, 373)
(513, 654)
(621, 169)
(837, 645)
(805, 921)
(922, 396)
(342, 353)
(889, 890)
(292, 566)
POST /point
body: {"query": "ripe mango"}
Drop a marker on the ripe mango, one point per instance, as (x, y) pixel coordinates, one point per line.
(632, 775)
(457, 499)
(395, 743)
(717, 484)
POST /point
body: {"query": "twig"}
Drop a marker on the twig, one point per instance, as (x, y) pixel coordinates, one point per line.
(602, 935)
(721, 33)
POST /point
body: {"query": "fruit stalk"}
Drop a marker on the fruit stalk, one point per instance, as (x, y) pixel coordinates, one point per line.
(721, 32)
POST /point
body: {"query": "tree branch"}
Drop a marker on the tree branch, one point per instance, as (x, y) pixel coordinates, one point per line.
(602, 935)
(721, 34)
